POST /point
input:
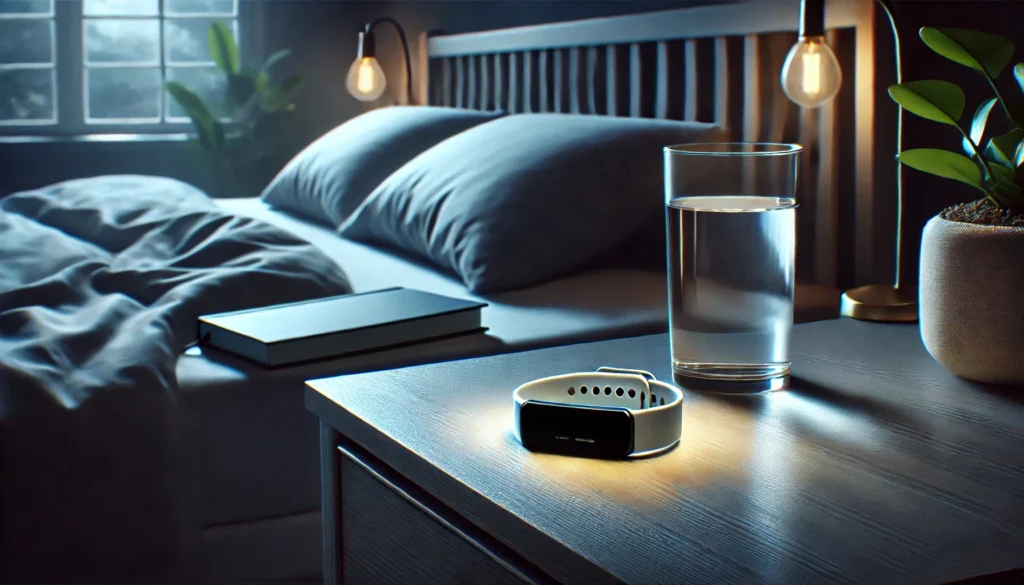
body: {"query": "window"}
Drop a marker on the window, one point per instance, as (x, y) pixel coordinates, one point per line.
(28, 52)
(109, 59)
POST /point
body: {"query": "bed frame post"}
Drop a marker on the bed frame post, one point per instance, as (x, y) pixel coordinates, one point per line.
(422, 73)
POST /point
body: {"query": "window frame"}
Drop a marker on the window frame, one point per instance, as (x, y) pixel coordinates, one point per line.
(69, 22)
(19, 126)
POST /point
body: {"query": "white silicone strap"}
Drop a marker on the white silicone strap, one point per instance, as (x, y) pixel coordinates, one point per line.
(657, 407)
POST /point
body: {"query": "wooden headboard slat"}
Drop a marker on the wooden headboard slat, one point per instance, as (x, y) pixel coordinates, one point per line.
(577, 89)
(717, 64)
(722, 19)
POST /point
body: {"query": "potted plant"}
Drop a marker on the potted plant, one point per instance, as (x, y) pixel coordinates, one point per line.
(972, 254)
(240, 141)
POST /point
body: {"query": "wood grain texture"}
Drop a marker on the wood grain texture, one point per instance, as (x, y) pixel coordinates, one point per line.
(877, 466)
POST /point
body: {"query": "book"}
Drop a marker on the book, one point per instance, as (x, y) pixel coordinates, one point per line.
(291, 333)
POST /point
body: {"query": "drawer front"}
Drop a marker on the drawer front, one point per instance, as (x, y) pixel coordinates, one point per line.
(389, 535)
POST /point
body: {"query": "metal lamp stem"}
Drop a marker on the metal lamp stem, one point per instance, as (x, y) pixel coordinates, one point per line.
(895, 302)
(405, 51)
(899, 144)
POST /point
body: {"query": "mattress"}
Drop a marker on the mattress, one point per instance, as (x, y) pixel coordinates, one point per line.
(252, 447)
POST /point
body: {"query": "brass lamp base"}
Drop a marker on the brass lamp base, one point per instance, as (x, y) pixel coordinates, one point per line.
(880, 302)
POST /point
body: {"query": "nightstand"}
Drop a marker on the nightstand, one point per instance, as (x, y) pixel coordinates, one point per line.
(877, 466)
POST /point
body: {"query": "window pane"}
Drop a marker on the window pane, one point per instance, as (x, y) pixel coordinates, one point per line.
(121, 7)
(26, 94)
(26, 40)
(197, 6)
(123, 94)
(185, 39)
(122, 41)
(26, 6)
(206, 82)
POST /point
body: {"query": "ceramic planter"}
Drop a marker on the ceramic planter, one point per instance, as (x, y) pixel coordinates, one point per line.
(972, 299)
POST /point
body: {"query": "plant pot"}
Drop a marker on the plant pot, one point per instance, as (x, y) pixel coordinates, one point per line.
(972, 299)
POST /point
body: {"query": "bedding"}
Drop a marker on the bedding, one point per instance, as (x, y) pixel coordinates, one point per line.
(329, 178)
(527, 198)
(103, 280)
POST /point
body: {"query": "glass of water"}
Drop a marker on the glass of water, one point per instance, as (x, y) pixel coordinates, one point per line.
(730, 213)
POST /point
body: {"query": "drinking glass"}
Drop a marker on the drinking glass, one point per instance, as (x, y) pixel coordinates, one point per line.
(730, 212)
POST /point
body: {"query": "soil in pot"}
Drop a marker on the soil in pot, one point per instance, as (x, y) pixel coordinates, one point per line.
(982, 212)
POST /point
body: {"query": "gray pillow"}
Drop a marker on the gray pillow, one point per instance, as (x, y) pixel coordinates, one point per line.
(331, 177)
(526, 198)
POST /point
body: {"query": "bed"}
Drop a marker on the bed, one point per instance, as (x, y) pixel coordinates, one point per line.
(251, 484)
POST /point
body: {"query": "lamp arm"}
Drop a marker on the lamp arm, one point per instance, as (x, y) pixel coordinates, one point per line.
(405, 51)
(884, 4)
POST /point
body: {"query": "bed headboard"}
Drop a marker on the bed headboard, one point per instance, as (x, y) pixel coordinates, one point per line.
(717, 63)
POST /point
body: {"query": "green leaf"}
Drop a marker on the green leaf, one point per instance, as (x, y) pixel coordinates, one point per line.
(1002, 149)
(1005, 188)
(281, 97)
(1018, 73)
(241, 88)
(1018, 156)
(1003, 174)
(933, 99)
(978, 124)
(262, 83)
(273, 59)
(208, 128)
(223, 49)
(943, 164)
(984, 52)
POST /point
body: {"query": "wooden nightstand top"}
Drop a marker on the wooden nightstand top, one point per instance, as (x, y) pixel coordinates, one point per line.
(876, 466)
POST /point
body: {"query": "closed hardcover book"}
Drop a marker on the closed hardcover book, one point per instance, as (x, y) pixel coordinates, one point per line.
(280, 335)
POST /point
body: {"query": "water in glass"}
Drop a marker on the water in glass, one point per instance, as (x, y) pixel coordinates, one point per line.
(730, 280)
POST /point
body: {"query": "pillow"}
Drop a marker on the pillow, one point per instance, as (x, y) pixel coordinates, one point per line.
(331, 177)
(526, 198)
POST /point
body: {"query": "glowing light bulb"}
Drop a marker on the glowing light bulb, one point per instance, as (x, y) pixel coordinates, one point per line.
(811, 75)
(365, 79)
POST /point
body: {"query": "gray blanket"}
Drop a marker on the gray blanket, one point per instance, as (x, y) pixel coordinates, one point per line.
(101, 281)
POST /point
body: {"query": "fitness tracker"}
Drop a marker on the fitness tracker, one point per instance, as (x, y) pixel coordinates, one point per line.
(610, 413)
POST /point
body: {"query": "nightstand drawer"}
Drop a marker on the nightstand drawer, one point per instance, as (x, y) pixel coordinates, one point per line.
(393, 533)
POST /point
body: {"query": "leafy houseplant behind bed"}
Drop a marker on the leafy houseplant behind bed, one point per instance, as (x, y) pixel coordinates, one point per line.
(239, 138)
(972, 254)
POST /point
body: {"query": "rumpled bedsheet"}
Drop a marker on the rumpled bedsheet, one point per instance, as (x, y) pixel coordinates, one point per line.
(101, 281)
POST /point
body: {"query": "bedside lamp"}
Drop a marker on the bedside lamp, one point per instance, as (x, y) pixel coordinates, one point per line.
(366, 80)
(810, 77)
